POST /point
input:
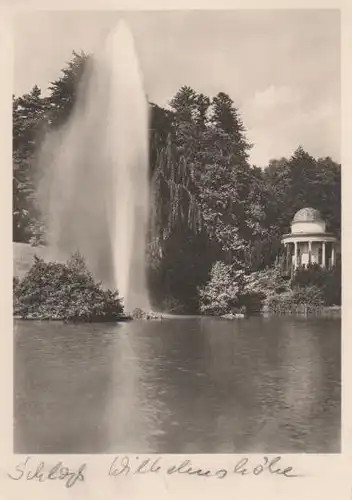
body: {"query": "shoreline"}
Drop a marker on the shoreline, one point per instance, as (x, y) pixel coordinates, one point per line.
(324, 312)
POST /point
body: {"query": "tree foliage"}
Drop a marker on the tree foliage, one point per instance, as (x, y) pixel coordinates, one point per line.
(33, 116)
(29, 122)
(209, 204)
(302, 300)
(327, 280)
(221, 294)
(64, 292)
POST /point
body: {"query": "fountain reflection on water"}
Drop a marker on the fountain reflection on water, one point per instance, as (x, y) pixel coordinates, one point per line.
(200, 385)
(95, 190)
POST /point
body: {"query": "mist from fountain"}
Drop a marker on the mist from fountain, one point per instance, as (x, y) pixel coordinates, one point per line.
(95, 188)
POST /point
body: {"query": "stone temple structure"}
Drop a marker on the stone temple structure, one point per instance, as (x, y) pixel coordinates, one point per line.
(308, 242)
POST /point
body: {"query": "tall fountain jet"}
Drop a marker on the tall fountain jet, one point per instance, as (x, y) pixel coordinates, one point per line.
(95, 191)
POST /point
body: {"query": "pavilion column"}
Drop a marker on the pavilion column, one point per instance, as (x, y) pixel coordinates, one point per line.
(309, 252)
(285, 256)
(323, 254)
(333, 257)
(296, 254)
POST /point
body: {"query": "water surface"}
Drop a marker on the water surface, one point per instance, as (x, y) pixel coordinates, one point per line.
(192, 385)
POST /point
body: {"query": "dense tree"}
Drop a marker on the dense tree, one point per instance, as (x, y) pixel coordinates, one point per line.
(160, 128)
(224, 178)
(30, 122)
(209, 204)
(203, 183)
(225, 118)
(64, 91)
(33, 116)
(327, 193)
(302, 181)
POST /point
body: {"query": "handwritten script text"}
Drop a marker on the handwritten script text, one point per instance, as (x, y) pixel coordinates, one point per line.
(31, 470)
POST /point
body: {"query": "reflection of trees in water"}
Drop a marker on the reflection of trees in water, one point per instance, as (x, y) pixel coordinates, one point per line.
(178, 386)
(301, 417)
(231, 368)
(177, 401)
(248, 359)
(206, 385)
(301, 363)
(141, 413)
(266, 385)
(301, 380)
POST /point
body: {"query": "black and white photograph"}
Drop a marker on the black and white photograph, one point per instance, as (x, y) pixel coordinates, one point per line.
(177, 232)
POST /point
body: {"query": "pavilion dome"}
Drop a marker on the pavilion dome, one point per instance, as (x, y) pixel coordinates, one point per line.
(307, 214)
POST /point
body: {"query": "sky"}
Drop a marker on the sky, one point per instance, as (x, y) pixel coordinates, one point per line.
(280, 67)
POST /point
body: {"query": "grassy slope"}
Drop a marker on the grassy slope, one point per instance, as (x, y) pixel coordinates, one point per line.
(23, 255)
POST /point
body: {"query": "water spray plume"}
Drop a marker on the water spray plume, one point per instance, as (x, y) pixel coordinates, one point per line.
(95, 192)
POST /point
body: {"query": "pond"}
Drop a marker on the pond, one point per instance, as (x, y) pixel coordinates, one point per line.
(181, 385)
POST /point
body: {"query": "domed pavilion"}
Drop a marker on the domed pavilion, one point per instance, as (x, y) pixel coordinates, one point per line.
(308, 242)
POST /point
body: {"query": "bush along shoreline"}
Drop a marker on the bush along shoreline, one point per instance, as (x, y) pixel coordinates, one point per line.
(313, 291)
(68, 292)
(310, 291)
(64, 292)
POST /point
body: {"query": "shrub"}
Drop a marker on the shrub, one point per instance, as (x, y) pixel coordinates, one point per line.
(310, 296)
(301, 300)
(137, 313)
(64, 291)
(328, 281)
(221, 294)
(259, 286)
(228, 289)
(310, 275)
(15, 282)
(332, 287)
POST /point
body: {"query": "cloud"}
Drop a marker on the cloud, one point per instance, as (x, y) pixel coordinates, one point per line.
(280, 118)
(281, 68)
(273, 98)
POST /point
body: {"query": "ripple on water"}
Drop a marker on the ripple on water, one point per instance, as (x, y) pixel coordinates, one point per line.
(274, 387)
